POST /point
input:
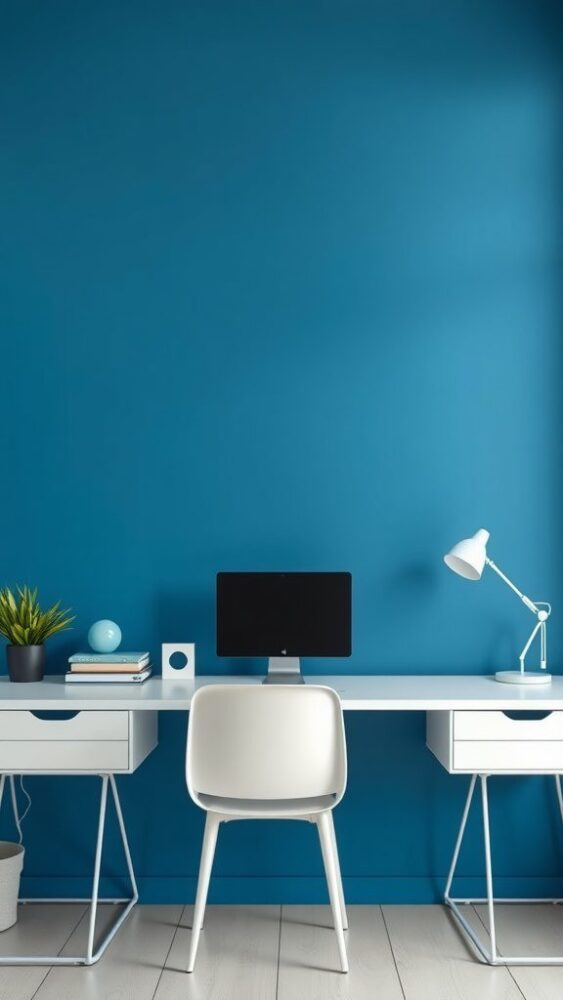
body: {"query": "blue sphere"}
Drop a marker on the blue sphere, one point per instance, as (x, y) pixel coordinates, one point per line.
(104, 636)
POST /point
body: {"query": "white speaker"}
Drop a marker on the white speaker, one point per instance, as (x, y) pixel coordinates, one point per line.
(187, 671)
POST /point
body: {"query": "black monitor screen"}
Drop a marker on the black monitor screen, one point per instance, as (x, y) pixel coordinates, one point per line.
(284, 614)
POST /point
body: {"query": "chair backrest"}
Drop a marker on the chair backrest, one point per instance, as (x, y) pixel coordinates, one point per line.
(266, 742)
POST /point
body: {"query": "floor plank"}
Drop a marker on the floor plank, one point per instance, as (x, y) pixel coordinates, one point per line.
(131, 967)
(396, 952)
(434, 962)
(42, 928)
(309, 956)
(237, 956)
(535, 929)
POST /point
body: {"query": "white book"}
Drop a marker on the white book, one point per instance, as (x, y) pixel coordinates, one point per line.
(138, 678)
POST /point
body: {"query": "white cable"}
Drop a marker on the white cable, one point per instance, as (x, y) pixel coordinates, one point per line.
(28, 797)
(19, 819)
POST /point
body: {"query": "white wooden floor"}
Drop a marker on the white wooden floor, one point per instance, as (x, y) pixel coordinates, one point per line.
(288, 952)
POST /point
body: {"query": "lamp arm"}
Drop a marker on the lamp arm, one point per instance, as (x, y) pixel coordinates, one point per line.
(526, 600)
(539, 625)
(542, 609)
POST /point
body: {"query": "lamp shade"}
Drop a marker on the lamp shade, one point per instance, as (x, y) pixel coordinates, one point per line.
(468, 557)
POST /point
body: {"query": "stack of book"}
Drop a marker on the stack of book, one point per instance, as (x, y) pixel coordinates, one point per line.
(88, 668)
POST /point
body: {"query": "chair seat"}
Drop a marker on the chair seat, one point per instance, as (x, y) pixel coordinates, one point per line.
(267, 808)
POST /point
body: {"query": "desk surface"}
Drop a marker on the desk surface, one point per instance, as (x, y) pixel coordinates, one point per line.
(358, 692)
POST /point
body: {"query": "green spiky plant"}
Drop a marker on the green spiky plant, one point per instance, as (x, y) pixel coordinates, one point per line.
(23, 623)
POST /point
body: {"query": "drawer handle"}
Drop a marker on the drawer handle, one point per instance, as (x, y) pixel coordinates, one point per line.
(518, 716)
(60, 716)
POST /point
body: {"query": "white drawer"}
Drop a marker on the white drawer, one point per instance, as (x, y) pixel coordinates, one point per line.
(504, 755)
(87, 743)
(16, 725)
(491, 742)
(498, 726)
(64, 755)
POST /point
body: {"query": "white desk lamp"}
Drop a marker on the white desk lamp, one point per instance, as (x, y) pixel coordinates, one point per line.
(468, 558)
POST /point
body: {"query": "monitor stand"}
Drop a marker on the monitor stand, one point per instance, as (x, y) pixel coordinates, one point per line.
(284, 670)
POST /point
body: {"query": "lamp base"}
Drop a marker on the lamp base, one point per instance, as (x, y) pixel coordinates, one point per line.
(517, 677)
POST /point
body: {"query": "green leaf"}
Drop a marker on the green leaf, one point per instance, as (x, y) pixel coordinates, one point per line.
(23, 622)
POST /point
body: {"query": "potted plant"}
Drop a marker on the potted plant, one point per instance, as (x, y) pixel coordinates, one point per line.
(26, 627)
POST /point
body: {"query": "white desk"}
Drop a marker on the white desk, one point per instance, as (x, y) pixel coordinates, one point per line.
(417, 693)
(116, 729)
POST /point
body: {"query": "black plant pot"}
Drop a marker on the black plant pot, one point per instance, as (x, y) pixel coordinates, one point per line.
(26, 663)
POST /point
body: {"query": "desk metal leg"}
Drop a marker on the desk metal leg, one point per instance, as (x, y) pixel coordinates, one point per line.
(559, 795)
(12, 793)
(91, 956)
(490, 955)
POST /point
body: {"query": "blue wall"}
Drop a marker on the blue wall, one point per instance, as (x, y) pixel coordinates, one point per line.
(281, 288)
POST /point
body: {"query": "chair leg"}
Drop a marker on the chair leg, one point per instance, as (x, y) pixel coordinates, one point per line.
(212, 822)
(327, 848)
(338, 873)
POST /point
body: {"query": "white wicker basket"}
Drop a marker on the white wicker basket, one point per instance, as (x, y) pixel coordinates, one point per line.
(11, 864)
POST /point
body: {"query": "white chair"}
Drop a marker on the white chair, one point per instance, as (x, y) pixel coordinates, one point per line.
(267, 752)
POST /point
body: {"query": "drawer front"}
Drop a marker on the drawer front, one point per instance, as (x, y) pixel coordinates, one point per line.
(498, 726)
(18, 725)
(506, 755)
(64, 755)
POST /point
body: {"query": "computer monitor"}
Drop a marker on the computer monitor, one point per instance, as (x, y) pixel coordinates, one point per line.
(284, 616)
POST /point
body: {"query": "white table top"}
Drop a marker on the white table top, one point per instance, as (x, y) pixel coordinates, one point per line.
(416, 693)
